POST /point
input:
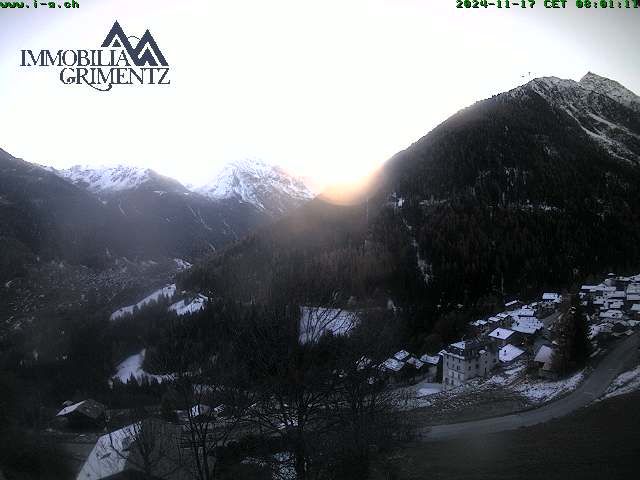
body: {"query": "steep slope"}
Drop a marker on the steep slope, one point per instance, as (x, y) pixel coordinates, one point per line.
(267, 188)
(532, 188)
(42, 214)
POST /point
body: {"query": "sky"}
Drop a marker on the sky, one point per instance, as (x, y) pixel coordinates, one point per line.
(327, 89)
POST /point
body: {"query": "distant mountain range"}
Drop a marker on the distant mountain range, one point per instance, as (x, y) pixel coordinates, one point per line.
(533, 188)
(88, 214)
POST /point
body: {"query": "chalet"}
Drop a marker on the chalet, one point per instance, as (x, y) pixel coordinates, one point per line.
(121, 454)
(431, 365)
(502, 336)
(527, 326)
(635, 311)
(465, 360)
(402, 356)
(509, 354)
(85, 414)
(392, 366)
(544, 361)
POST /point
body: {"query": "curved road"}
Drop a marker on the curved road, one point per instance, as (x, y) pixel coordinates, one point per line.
(593, 387)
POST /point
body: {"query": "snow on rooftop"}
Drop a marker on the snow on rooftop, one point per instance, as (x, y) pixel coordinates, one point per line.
(393, 365)
(110, 453)
(508, 353)
(167, 292)
(402, 355)
(430, 359)
(544, 355)
(417, 364)
(501, 333)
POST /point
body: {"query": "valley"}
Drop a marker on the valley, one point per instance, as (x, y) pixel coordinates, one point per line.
(252, 328)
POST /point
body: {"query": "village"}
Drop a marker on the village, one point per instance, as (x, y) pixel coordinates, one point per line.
(510, 349)
(521, 336)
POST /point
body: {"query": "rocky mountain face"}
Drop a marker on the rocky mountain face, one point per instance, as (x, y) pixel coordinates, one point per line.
(533, 188)
(266, 187)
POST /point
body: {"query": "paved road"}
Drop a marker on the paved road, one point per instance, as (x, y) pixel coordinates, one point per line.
(593, 387)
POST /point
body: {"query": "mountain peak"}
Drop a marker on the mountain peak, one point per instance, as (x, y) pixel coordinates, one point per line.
(266, 187)
(117, 178)
(610, 88)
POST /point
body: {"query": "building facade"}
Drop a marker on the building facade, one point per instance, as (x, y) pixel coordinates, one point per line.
(465, 360)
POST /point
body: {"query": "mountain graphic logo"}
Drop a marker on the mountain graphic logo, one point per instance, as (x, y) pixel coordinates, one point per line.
(145, 53)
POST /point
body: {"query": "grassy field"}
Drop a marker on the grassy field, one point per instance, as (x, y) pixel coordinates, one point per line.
(600, 442)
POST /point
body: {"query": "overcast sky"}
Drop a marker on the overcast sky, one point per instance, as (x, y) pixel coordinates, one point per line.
(325, 88)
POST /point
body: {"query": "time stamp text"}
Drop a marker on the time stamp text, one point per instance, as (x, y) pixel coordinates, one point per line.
(524, 4)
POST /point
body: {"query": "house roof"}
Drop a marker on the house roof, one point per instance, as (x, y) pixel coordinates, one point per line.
(89, 408)
(501, 333)
(432, 360)
(635, 307)
(611, 314)
(550, 296)
(544, 355)
(110, 453)
(414, 362)
(508, 353)
(393, 365)
(402, 355)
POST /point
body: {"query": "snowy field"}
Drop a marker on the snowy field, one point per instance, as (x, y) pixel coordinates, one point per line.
(184, 307)
(626, 382)
(541, 391)
(168, 292)
(132, 366)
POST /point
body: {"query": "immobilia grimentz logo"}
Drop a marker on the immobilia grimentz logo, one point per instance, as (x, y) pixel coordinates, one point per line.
(118, 61)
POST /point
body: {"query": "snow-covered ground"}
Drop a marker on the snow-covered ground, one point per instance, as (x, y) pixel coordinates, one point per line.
(132, 366)
(626, 382)
(316, 321)
(513, 379)
(541, 391)
(184, 307)
(168, 292)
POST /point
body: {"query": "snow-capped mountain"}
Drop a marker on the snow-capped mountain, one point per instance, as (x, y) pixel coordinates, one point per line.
(594, 103)
(118, 178)
(266, 187)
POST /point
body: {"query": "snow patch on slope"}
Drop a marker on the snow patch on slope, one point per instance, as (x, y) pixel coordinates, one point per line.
(167, 292)
(184, 307)
(132, 367)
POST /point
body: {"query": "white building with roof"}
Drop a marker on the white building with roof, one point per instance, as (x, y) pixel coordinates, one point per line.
(462, 361)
